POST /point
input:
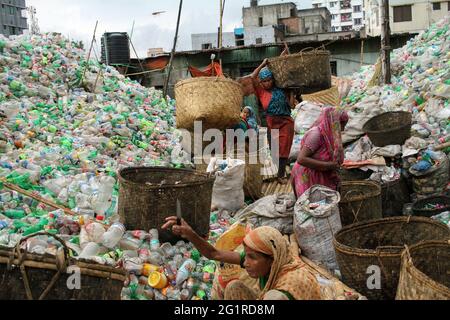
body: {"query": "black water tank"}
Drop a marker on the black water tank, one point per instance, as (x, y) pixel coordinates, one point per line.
(115, 48)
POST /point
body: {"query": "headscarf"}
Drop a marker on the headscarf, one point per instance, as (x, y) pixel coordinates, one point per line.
(270, 242)
(265, 74)
(329, 124)
(251, 120)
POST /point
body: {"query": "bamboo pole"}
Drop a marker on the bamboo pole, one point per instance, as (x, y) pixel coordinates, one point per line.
(166, 85)
(386, 42)
(90, 50)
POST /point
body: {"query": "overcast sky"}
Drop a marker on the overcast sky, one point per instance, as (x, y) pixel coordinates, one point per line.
(76, 19)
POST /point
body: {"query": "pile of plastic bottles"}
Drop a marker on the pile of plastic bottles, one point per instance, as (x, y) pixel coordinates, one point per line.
(420, 84)
(156, 271)
(68, 125)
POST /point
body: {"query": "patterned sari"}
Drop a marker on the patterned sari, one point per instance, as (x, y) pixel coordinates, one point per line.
(330, 149)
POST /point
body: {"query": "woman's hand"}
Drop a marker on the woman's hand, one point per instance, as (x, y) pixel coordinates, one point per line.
(334, 166)
(184, 230)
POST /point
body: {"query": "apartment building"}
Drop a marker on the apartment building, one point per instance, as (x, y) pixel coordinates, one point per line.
(346, 15)
(406, 16)
(13, 19)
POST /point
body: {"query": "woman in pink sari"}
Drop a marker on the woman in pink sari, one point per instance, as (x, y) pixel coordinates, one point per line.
(321, 153)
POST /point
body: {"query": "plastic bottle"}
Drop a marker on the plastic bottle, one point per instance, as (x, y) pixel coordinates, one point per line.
(154, 242)
(95, 231)
(185, 271)
(114, 234)
(91, 249)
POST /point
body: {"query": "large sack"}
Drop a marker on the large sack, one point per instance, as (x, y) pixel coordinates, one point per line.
(228, 191)
(296, 146)
(274, 211)
(315, 228)
(308, 113)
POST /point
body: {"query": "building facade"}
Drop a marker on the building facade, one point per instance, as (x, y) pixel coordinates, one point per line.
(13, 19)
(406, 16)
(269, 24)
(346, 15)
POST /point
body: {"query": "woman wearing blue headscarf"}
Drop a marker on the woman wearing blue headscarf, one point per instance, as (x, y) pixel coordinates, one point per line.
(277, 106)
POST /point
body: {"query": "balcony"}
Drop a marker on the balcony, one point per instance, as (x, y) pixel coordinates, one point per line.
(346, 4)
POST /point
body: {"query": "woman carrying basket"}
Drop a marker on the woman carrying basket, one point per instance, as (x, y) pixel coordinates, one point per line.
(277, 106)
(266, 257)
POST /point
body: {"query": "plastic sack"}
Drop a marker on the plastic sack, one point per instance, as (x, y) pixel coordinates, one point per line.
(316, 221)
(307, 115)
(296, 146)
(228, 191)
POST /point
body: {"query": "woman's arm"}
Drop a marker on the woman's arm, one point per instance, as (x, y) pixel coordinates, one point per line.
(206, 249)
(255, 74)
(305, 159)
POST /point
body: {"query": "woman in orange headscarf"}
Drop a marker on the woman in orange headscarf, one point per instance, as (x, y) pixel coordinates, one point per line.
(267, 257)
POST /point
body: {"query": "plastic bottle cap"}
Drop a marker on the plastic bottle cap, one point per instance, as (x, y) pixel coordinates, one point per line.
(157, 280)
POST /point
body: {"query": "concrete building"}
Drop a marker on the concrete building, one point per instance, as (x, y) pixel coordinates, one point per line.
(267, 15)
(13, 19)
(406, 16)
(346, 15)
(269, 24)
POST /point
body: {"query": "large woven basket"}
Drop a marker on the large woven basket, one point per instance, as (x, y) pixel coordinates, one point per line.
(307, 69)
(216, 102)
(419, 207)
(25, 276)
(374, 248)
(149, 195)
(390, 128)
(360, 201)
(326, 97)
(425, 272)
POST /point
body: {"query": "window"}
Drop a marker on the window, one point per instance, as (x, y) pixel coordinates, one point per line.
(315, 5)
(357, 9)
(346, 4)
(11, 10)
(436, 6)
(334, 16)
(346, 17)
(261, 21)
(333, 4)
(334, 68)
(206, 46)
(347, 28)
(448, 5)
(402, 13)
(357, 22)
(258, 40)
(307, 30)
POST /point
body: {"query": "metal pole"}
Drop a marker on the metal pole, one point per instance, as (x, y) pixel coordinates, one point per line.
(386, 42)
(166, 85)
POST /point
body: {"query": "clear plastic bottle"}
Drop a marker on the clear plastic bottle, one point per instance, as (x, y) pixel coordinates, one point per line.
(90, 250)
(114, 234)
(154, 240)
(185, 271)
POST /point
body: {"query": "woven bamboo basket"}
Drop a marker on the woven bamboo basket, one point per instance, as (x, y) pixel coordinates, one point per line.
(216, 102)
(376, 246)
(326, 97)
(307, 69)
(420, 210)
(390, 128)
(394, 196)
(25, 276)
(148, 196)
(425, 272)
(360, 201)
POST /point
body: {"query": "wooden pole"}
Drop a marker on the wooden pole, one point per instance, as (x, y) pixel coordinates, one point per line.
(385, 42)
(90, 49)
(362, 53)
(166, 85)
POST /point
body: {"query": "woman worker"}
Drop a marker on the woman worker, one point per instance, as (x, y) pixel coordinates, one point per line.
(278, 107)
(321, 153)
(267, 257)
